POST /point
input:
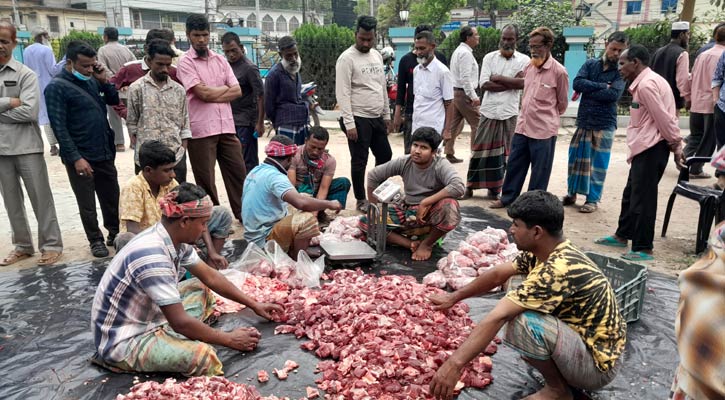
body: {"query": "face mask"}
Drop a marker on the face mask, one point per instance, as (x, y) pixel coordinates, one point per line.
(81, 76)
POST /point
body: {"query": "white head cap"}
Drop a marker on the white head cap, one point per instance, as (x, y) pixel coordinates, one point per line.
(681, 26)
(37, 31)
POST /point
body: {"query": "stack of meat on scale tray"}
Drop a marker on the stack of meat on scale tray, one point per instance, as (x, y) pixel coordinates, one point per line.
(480, 251)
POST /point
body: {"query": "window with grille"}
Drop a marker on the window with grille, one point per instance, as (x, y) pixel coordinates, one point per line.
(634, 7)
(53, 24)
(281, 24)
(267, 24)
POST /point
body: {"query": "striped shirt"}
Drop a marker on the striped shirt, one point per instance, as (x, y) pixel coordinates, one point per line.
(141, 279)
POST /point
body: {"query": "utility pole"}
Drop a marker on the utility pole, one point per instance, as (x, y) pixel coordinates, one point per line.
(304, 12)
(372, 8)
(16, 16)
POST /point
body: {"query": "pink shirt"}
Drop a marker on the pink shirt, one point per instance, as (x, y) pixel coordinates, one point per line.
(701, 79)
(207, 119)
(652, 114)
(545, 98)
(682, 75)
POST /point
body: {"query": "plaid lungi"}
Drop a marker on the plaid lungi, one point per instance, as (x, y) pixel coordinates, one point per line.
(589, 154)
(490, 147)
(296, 226)
(402, 218)
(164, 350)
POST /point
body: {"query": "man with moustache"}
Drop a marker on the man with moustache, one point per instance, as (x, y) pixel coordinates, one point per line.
(433, 88)
(601, 86)
(360, 88)
(464, 69)
(653, 133)
(157, 108)
(210, 85)
(283, 101)
(672, 62)
(546, 91)
(502, 79)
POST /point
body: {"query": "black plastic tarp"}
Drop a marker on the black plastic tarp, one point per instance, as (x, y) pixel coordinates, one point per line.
(45, 338)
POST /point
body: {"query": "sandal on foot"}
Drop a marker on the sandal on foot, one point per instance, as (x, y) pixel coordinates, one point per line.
(588, 208)
(610, 241)
(49, 258)
(568, 200)
(14, 257)
(497, 204)
(638, 256)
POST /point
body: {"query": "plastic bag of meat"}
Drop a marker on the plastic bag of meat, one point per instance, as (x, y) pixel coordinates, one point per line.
(435, 279)
(254, 261)
(284, 265)
(307, 272)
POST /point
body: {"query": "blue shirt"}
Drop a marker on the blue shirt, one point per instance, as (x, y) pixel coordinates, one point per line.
(262, 204)
(283, 102)
(598, 105)
(717, 80)
(79, 121)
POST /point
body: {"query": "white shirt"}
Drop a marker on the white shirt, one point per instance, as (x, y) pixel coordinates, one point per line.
(464, 69)
(432, 85)
(501, 105)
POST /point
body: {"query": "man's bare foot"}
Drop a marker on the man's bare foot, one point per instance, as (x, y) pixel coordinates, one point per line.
(414, 245)
(550, 393)
(422, 252)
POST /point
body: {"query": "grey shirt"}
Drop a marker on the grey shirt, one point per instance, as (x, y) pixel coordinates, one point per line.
(19, 129)
(419, 183)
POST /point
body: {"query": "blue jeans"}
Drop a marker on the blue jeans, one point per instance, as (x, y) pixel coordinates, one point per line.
(525, 152)
(250, 148)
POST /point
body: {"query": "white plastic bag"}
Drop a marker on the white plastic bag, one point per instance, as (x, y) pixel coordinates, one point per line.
(307, 272)
(284, 265)
(254, 261)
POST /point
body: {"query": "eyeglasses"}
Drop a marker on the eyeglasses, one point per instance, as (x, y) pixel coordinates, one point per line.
(537, 47)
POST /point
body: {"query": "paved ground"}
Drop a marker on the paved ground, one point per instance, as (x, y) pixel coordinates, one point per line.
(672, 254)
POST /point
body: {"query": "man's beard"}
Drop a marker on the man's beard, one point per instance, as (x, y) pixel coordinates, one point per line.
(537, 61)
(506, 50)
(292, 68)
(202, 52)
(45, 42)
(424, 60)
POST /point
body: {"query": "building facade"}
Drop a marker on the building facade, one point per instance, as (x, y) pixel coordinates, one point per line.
(58, 16)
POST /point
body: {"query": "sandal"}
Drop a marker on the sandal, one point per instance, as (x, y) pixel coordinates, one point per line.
(638, 256)
(588, 208)
(497, 204)
(568, 200)
(14, 257)
(610, 241)
(49, 258)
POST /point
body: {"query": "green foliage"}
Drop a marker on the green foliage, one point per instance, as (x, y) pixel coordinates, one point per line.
(532, 14)
(488, 43)
(93, 39)
(655, 35)
(319, 47)
(433, 12)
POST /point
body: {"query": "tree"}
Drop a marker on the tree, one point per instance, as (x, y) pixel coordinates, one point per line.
(490, 38)
(433, 12)
(93, 39)
(532, 14)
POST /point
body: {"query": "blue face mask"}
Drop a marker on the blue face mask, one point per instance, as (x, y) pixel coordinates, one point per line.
(81, 76)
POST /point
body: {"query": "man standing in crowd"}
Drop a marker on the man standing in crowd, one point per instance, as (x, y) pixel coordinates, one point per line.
(313, 169)
(718, 96)
(405, 90)
(433, 88)
(702, 141)
(653, 133)
(77, 100)
(365, 114)
(21, 157)
(248, 110)
(210, 85)
(269, 193)
(464, 69)
(157, 108)
(571, 345)
(673, 63)
(600, 86)
(502, 79)
(39, 57)
(546, 88)
(283, 101)
(114, 56)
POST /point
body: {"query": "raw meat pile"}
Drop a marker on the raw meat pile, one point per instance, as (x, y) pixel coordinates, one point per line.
(341, 229)
(261, 288)
(196, 388)
(480, 251)
(383, 338)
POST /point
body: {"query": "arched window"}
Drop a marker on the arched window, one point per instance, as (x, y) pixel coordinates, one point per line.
(252, 20)
(267, 24)
(281, 24)
(294, 23)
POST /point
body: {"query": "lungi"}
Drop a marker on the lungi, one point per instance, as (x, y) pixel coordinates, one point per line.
(589, 154)
(490, 148)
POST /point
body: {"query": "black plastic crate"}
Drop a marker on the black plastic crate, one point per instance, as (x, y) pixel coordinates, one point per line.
(628, 281)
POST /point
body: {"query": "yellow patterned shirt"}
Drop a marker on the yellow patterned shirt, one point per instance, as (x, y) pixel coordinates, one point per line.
(569, 286)
(138, 204)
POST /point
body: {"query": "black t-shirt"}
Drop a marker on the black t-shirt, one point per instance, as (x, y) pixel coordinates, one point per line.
(405, 79)
(244, 108)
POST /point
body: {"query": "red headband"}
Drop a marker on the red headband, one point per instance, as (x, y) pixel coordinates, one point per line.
(193, 209)
(277, 149)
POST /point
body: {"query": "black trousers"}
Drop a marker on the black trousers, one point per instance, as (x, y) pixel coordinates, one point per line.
(104, 184)
(525, 152)
(701, 141)
(179, 169)
(639, 200)
(719, 117)
(407, 133)
(372, 134)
